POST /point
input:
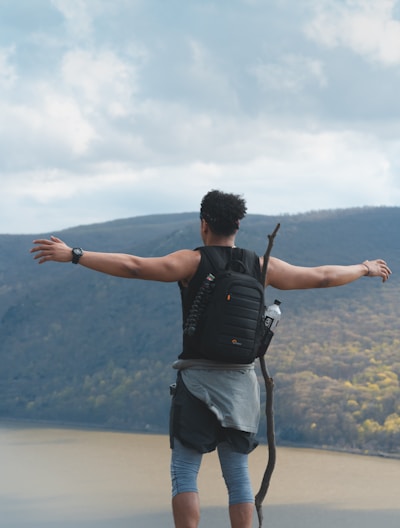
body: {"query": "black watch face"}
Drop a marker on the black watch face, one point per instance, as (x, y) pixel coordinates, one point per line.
(76, 255)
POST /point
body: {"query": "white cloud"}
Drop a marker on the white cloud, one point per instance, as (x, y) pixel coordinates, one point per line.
(208, 77)
(291, 73)
(115, 109)
(103, 81)
(367, 27)
(315, 171)
(8, 75)
(53, 127)
(59, 118)
(62, 120)
(78, 17)
(295, 171)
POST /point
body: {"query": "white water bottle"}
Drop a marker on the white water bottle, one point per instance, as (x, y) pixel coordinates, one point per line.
(273, 315)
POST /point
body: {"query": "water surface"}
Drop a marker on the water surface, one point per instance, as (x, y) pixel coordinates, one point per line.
(67, 478)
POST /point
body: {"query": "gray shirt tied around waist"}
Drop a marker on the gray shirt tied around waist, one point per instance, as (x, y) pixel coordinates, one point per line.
(230, 391)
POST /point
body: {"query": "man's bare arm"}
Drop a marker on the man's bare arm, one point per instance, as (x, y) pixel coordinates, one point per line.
(177, 266)
(285, 276)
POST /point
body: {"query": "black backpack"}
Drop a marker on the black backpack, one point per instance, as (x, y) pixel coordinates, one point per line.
(226, 317)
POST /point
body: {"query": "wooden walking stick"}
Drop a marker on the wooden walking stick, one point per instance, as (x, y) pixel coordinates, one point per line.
(269, 385)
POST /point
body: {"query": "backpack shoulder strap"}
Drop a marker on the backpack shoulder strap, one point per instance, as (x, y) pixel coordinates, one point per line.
(215, 258)
(240, 260)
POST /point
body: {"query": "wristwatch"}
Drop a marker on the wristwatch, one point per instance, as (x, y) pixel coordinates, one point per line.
(76, 255)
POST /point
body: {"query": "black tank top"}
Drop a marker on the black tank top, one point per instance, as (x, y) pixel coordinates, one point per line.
(250, 259)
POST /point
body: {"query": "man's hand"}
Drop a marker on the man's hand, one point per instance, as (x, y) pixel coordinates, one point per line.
(377, 268)
(52, 249)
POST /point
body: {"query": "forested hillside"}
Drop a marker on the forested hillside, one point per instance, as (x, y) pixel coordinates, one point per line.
(82, 347)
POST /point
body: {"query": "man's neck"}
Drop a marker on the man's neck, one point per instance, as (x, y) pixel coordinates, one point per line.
(220, 241)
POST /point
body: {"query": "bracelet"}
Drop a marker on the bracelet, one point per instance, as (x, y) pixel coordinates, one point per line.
(368, 270)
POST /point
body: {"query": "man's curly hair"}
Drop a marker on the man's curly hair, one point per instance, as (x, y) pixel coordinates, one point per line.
(222, 212)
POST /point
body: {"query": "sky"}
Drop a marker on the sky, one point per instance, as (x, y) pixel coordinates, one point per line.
(120, 108)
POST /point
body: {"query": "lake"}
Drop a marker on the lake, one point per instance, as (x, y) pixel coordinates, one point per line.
(63, 478)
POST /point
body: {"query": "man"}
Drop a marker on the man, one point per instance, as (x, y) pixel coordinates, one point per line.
(215, 406)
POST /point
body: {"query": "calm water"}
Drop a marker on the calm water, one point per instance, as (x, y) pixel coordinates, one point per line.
(67, 478)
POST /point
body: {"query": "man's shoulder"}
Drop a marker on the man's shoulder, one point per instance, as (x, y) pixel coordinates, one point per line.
(190, 260)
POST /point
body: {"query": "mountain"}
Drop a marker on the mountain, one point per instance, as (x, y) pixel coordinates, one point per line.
(83, 347)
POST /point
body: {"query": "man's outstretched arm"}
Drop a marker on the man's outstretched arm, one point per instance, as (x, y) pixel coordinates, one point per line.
(177, 266)
(285, 276)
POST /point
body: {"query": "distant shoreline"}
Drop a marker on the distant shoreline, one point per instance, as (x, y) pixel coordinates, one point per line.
(100, 428)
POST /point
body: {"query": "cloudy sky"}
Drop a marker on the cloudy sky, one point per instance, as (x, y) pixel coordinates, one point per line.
(118, 108)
